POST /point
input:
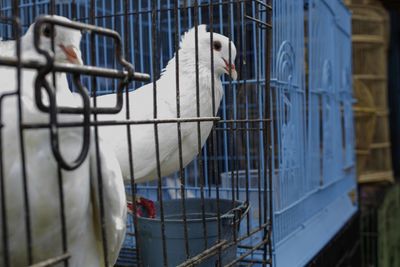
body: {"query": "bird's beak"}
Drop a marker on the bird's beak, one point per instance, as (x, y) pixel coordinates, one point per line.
(71, 53)
(230, 69)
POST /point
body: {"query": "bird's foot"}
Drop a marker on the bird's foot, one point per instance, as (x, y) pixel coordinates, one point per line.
(144, 207)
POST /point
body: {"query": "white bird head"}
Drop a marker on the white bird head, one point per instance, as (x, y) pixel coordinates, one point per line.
(66, 42)
(223, 60)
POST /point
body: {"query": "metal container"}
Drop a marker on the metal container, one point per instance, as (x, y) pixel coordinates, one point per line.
(150, 237)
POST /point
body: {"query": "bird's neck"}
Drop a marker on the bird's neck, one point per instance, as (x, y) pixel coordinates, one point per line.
(187, 85)
(188, 68)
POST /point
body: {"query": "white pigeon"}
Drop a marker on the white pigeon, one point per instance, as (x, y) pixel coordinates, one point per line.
(83, 230)
(141, 108)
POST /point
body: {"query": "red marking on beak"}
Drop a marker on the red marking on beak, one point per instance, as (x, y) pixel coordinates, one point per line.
(228, 66)
(230, 69)
(70, 53)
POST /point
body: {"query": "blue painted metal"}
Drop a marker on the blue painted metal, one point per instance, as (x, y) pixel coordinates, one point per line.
(288, 94)
(313, 160)
(315, 139)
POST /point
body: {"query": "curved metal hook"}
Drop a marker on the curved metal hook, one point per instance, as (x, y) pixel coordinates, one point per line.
(54, 133)
(129, 68)
(40, 83)
(238, 213)
(86, 110)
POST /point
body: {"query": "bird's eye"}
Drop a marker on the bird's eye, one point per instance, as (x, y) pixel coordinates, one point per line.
(48, 31)
(217, 45)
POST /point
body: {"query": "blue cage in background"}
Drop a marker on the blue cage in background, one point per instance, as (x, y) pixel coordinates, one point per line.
(312, 151)
(314, 183)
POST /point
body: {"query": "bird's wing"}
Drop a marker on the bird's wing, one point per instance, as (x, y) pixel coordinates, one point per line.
(140, 103)
(113, 199)
(142, 135)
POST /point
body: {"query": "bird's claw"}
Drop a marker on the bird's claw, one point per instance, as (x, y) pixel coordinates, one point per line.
(144, 207)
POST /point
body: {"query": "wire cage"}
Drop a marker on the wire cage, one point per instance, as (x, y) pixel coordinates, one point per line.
(238, 140)
(365, 114)
(380, 236)
(266, 147)
(362, 2)
(324, 174)
(370, 45)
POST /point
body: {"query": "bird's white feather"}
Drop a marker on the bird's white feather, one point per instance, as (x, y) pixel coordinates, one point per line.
(79, 186)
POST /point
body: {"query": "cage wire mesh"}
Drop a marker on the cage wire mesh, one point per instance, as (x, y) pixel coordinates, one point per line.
(313, 138)
(330, 96)
(232, 164)
(370, 45)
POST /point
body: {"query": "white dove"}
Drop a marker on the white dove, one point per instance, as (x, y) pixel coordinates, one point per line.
(80, 186)
(141, 108)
